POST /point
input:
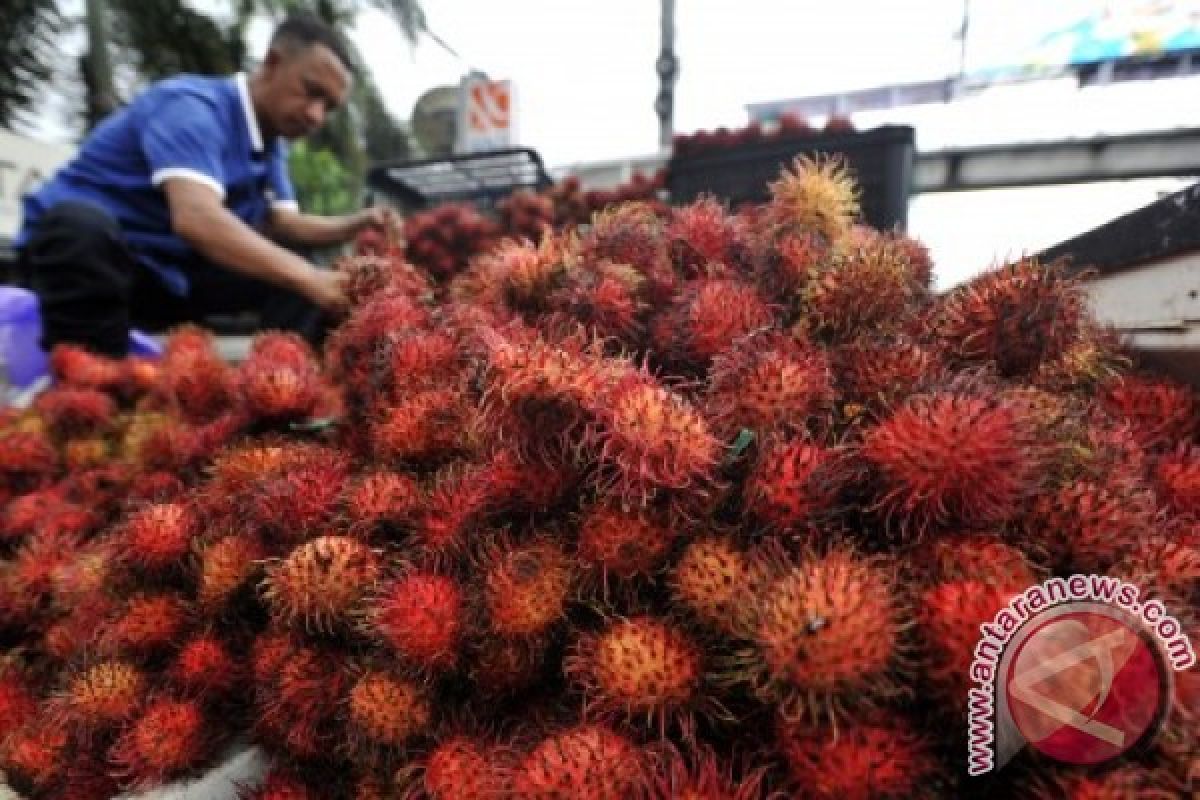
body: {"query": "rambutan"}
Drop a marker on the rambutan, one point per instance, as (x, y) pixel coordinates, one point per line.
(501, 666)
(1177, 478)
(73, 366)
(75, 412)
(525, 587)
(588, 761)
(226, 566)
(711, 580)
(827, 633)
(169, 739)
(1161, 413)
(702, 235)
(768, 382)
(952, 458)
(701, 775)
(459, 768)
(860, 761)
(28, 461)
(22, 516)
(1016, 317)
(948, 618)
(1089, 526)
(368, 274)
(707, 317)
(386, 711)
(146, 624)
(425, 426)
(18, 703)
(103, 696)
(639, 668)
(158, 537)
(793, 486)
(205, 667)
(381, 498)
(321, 582)
(83, 454)
(867, 285)
(34, 758)
(512, 483)
(1166, 564)
(607, 299)
(454, 507)
(301, 502)
(880, 374)
(982, 557)
(421, 617)
(302, 707)
(281, 786)
(815, 196)
(279, 379)
(632, 233)
(623, 544)
(1122, 783)
(648, 438)
(198, 382)
(415, 358)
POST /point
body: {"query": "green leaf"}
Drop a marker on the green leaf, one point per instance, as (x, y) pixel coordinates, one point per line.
(740, 443)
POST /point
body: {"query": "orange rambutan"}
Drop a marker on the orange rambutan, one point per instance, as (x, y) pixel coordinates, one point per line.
(322, 582)
(103, 696)
(640, 668)
(526, 586)
(710, 581)
(827, 633)
(385, 712)
(421, 616)
(815, 196)
(225, 567)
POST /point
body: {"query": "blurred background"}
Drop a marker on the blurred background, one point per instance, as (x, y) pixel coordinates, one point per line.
(599, 90)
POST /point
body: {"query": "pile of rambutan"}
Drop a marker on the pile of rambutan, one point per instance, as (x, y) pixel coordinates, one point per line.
(789, 126)
(683, 504)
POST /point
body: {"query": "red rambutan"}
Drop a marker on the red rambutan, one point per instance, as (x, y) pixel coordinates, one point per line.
(225, 567)
(793, 486)
(588, 761)
(460, 768)
(1160, 412)
(385, 711)
(28, 461)
(73, 366)
(146, 624)
(169, 739)
(952, 458)
(34, 758)
(623, 544)
(711, 579)
(205, 667)
(421, 617)
(707, 317)
(887, 761)
(158, 537)
(948, 618)
(425, 426)
(103, 696)
(768, 382)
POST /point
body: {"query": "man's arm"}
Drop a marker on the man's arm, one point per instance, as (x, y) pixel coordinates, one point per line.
(199, 218)
(289, 225)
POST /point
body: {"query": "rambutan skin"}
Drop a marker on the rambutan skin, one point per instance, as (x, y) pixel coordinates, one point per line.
(590, 761)
(321, 583)
(170, 738)
(421, 617)
(526, 588)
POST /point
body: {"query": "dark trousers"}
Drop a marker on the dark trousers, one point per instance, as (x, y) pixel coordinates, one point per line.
(92, 289)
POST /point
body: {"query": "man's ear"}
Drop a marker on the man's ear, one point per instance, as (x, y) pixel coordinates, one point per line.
(272, 60)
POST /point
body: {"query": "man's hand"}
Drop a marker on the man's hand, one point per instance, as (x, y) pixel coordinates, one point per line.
(315, 231)
(380, 218)
(327, 289)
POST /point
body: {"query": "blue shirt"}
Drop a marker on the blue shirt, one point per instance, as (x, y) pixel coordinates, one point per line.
(194, 127)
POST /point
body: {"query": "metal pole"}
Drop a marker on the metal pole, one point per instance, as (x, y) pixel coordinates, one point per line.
(668, 71)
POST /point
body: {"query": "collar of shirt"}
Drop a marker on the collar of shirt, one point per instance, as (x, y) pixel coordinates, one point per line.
(243, 88)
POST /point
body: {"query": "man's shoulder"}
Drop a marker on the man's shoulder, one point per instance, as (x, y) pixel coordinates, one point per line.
(207, 90)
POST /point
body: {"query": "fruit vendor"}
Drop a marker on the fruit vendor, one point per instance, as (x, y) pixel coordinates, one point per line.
(179, 205)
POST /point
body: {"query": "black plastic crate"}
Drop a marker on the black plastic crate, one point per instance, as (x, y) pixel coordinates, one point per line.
(881, 160)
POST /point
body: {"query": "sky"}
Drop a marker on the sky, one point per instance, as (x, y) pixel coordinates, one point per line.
(585, 82)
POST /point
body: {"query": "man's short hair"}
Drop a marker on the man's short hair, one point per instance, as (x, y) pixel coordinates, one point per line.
(302, 29)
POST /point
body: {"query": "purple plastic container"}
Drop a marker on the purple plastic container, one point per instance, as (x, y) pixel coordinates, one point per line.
(24, 362)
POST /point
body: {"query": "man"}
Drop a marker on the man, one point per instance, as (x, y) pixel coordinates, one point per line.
(173, 206)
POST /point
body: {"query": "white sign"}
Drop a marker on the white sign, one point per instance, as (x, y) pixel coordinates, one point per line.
(487, 118)
(24, 164)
